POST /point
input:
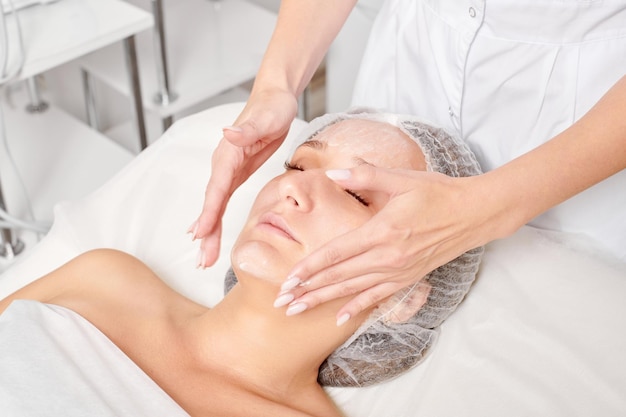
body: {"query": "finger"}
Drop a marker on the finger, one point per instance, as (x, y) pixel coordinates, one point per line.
(341, 289)
(257, 154)
(334, 252)
(344, 279)
(262, 123)
(210, 247)
(212, 211)
(367, 247)
(245, 134)
(363, 265)
(368, 177)
(219, 188)
(365, 301)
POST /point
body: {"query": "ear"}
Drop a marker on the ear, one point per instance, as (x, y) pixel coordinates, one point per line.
(411, 304)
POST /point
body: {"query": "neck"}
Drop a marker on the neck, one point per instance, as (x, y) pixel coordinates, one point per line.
(268, 349)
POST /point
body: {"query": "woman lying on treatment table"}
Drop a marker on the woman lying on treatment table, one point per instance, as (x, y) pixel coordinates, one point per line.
(244, 354)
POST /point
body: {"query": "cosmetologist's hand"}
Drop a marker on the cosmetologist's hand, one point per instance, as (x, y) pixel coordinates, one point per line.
(256, 134)
(427, 221)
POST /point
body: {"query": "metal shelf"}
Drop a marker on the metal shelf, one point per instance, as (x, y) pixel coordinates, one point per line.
(215, 46)
(54, 34)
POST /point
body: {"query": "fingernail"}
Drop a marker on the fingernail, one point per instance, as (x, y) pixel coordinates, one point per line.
(291, 283)
(193, 229)
(283, 299)
(296, 308)
(338, 174)
(233, 129)
(343, 319)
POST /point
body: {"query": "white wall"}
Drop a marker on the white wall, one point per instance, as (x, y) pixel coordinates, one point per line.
(272, 5)
(344, 57)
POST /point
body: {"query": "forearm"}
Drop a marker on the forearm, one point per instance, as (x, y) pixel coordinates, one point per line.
(591, 150)
(303, 33)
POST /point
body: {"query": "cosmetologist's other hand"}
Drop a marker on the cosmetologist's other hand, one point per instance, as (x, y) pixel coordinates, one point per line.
(256, 134)
(427, 221)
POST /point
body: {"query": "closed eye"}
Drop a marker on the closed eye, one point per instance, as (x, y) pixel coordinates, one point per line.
(292, 167)
(358, 198)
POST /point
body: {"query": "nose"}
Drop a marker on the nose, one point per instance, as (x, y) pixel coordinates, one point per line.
(297, 188)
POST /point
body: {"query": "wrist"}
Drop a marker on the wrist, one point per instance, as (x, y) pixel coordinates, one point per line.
(274, 81)
(495, 207)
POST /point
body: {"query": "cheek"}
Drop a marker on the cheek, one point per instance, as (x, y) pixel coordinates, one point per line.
(334, 222)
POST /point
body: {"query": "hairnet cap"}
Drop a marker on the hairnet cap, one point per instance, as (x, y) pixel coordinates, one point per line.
(397, 335)
(444, 152)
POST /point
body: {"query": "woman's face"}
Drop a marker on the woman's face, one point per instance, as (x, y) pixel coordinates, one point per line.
(300, 210)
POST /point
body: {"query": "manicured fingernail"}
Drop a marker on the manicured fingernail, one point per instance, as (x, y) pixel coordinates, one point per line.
(343, 319)
(338, 174)
(296, 308)
(193, 229)
(283, 299)
(291, 283)
(233, 128)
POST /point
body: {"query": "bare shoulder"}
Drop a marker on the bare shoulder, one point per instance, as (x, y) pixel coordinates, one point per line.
(105, 279)
(99, 276)
(103, 269)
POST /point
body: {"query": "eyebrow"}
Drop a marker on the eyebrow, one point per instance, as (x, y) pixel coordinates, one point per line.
(361, 161)
(315, 144)
(321, 146)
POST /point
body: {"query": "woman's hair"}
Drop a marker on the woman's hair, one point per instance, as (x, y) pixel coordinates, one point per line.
(388, 343)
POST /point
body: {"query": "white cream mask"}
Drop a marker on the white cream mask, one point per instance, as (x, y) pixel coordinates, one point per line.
(376, 142)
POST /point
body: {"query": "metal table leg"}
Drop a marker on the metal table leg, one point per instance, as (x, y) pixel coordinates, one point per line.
(10, 245)
(36, 103)
(164, 96)
(133, 76)
(90, 100)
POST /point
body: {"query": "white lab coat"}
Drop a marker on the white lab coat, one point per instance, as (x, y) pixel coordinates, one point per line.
(506, 75)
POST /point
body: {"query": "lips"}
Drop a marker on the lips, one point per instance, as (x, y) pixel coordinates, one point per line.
(278, 223)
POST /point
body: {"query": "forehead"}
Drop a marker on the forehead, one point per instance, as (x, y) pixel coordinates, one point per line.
(379, 143)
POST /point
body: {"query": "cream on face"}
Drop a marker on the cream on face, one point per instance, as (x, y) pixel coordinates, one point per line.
(302, 209)
(379, 143)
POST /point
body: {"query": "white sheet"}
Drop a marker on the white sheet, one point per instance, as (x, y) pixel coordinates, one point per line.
(541, 333)
(53, 362)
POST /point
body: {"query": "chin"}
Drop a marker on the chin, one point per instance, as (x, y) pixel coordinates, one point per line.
(260, 260)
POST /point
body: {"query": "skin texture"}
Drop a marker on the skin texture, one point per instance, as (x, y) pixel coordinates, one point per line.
(243, 354)
(396, 245)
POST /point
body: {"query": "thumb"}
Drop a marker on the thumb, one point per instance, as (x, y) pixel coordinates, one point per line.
(245, 134)
(368, 177)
